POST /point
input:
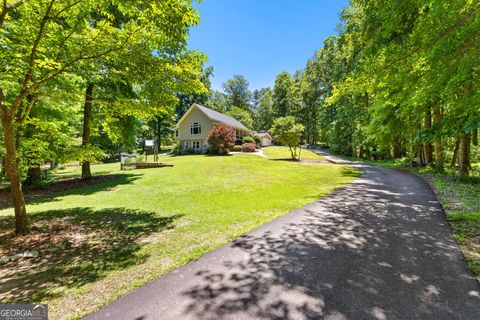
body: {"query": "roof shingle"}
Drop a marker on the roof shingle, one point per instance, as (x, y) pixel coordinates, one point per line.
(220, 117)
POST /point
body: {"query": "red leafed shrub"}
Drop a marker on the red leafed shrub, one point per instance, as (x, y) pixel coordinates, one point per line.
(248, 147)
(221, 139)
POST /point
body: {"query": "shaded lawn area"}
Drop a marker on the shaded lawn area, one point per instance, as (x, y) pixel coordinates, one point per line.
(460, 200)
(100, 241)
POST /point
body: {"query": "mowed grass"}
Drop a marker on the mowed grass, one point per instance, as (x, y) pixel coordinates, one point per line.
(284, 153)
(97, 243)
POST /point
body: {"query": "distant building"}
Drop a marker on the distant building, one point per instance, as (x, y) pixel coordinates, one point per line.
(265, 139)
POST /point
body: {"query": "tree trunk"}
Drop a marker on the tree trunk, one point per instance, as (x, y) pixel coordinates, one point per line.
(87, 116)
(439, 159)
(34, 175)
(475, 137)
(463, 155)
(2, 167)
(397, 149)
(428, 147)
(13, 173)
(455, 153)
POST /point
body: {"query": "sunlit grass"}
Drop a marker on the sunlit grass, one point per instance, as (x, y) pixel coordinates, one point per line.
(284, 153)
(206, 200)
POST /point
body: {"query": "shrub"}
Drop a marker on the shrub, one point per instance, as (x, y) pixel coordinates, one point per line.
(257, 139)
(221, 139)
(176, 149)
(248, 147)
(237, 148)
(248, 139)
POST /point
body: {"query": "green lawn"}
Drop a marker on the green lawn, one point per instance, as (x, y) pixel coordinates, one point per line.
(283, 152)
(98, 242)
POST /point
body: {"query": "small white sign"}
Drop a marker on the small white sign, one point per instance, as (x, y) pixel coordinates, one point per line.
(149, 143)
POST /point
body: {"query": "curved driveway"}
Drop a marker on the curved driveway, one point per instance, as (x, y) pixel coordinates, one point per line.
(380, 248)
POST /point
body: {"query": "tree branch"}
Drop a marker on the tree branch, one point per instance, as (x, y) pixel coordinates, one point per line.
(26, 111)
(83, 58)
(2, 102)
(7, 9)
(31, 61)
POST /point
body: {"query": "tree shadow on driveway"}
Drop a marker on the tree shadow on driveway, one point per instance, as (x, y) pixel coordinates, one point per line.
(378, 249)
(76, 246)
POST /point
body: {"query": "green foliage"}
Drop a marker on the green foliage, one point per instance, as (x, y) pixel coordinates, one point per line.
(218, 101)
(238, 93)
(289, 133)
(282, 97)
(241, 115)
(369, 90)
(187, 99)
(57, 48)
(237, 148)
(248, 139)
(263, 114)
(177, 148)
(115, 214)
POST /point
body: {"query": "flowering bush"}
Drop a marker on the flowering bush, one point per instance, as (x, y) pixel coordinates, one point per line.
(248, 147)
(221, 139)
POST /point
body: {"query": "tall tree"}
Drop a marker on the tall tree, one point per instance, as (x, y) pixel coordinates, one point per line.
(186, 99)
(241, 115)
(263, 114)
(282, 103)
(238, 93)
(42, 40)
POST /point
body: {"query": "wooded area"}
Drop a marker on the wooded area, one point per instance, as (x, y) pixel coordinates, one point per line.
(85, 80)
(71, 68)
(399, 80)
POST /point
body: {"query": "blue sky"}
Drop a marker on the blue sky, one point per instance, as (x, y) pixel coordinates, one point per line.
(261, 38)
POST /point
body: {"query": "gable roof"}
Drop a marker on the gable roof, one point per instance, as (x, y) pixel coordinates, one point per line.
(214, 116)
(264, 134)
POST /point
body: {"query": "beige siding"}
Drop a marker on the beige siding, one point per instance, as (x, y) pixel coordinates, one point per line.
(194, 116)
(265, 142)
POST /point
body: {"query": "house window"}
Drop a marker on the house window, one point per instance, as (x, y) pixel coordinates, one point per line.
(196, 145)
(196, 128)
(185, 145)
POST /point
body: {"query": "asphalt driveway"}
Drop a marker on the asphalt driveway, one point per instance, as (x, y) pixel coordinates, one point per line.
(379, 248)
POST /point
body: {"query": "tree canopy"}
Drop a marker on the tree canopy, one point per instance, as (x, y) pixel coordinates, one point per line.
(134, 52)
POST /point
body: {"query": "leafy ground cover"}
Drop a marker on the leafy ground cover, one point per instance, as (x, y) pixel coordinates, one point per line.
(97, 242)
(460, 199)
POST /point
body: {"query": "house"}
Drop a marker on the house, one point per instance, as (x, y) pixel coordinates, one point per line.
(192, 129)
(265, 139)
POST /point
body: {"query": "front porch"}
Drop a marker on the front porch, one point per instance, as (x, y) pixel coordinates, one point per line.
(239, 134)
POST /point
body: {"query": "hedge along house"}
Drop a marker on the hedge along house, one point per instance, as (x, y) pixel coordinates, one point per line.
(192, 129)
